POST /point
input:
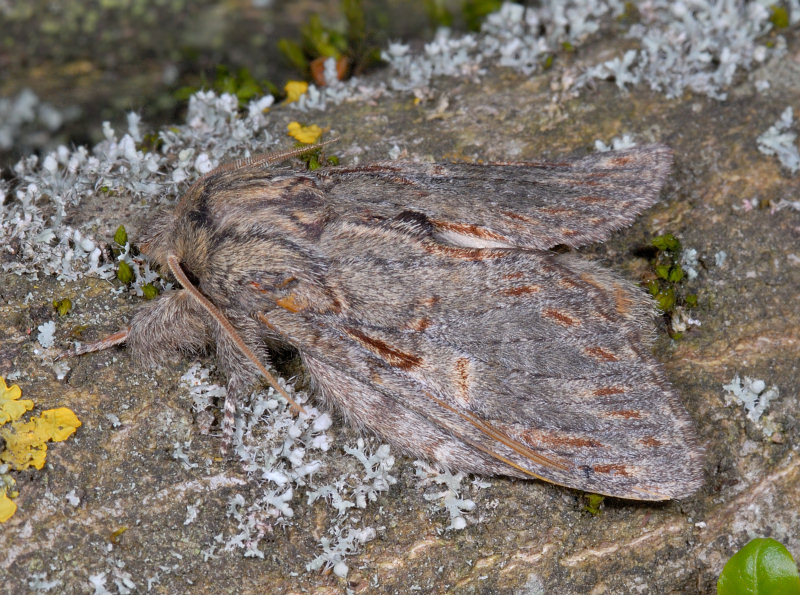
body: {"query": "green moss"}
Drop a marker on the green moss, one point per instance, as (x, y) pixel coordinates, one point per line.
(593, 502)
(121, 236)
(150, 291)
(667, 243)
(125, 272)
(779, 17)
(240, 83)
(63, 307)
(352, 45)
(667, 286)
(476, 11)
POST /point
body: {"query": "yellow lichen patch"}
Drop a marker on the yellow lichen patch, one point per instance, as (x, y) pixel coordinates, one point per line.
(11, 408)
(26, 442)
(294, 89)
(305, 134)
(7, 507)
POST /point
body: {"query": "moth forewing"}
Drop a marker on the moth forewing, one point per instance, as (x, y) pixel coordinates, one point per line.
(426, 307)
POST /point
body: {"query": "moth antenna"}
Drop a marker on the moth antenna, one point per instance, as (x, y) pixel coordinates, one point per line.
(265, 158)
(175, 266)
(258, 160)
(105, 343)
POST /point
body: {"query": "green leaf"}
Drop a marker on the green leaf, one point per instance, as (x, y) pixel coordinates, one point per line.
(356, 23)
(293, 53)
(763, 566)
(121, 236)
(438, 13)
(125, 272)
(667, 243)
(691, 300)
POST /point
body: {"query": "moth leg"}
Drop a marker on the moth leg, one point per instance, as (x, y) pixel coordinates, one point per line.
(168, 325)
(241, 373)
(105, 343)
(173, 324)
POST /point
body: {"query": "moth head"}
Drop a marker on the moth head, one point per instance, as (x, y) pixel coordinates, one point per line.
(157, 238)
(171, 233)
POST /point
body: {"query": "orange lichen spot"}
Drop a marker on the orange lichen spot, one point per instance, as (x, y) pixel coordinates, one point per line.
(317, 67)
(511, 276)
(601, 354)
(391, 355)
(561, 317)
(608, 390)
(650, 441)
(521, 290)
(613, 469)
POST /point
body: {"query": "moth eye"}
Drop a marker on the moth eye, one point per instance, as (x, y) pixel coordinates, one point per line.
(190, 275)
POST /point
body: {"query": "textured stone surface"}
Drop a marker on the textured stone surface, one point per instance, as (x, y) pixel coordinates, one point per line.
(525, 536)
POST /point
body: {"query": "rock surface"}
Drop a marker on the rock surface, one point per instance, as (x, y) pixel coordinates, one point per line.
(523, 536)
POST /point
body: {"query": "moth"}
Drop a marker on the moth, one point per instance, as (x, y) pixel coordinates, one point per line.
(427, 306)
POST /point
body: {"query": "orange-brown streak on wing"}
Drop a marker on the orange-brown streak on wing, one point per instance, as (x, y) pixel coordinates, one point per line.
(490, 431)
(464, 253)
(467, 229)
(520, 290)
(391, 355)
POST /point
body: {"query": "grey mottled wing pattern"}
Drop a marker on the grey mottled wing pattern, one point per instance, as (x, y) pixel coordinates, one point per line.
(531, 363)
(528, 204)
